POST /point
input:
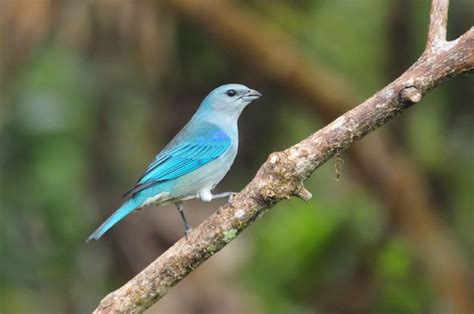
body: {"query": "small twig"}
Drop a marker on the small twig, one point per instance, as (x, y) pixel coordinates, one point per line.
(338, 162)
(438, 23)
(304, 194)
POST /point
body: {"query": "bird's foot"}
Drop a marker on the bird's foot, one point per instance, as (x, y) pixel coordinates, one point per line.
(231, 196)
(187, 226)
(187, 231)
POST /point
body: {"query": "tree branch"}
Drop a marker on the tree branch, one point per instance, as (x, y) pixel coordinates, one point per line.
(438, 23)
(379, 161)
(283, 174)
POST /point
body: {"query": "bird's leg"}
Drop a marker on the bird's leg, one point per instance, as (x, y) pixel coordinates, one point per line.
(187, 227)
(229, 195)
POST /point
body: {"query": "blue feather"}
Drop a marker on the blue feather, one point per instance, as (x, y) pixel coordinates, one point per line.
(118, 215)
(201, 148)
(170, 165)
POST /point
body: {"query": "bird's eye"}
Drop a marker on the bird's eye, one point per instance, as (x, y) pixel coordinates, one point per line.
(231, 92)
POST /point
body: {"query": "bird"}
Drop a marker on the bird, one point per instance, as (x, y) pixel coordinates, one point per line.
(194, 161)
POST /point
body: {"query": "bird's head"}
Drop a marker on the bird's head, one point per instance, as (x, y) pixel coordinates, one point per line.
(229, 99)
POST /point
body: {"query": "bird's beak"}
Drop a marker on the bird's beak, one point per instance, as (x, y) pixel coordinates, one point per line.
(251, 94)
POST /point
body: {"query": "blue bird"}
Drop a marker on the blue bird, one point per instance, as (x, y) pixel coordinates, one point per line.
(195, 160)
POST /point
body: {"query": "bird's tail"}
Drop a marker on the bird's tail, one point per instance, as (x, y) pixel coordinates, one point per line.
(119, 214)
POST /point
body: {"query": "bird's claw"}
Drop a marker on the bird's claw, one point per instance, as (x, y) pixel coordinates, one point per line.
(231, 197)
(187, 231)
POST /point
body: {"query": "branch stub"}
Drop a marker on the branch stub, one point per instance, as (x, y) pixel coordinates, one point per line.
(410, 94)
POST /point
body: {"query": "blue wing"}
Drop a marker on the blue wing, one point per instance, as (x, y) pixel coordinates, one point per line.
(175, 162)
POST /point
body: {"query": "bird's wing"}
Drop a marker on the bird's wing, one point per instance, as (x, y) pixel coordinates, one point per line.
(184, 158)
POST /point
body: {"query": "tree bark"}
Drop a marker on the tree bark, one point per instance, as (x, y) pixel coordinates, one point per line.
(283, 174)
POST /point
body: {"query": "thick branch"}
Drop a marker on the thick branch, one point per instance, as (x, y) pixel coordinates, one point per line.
(283, 174)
